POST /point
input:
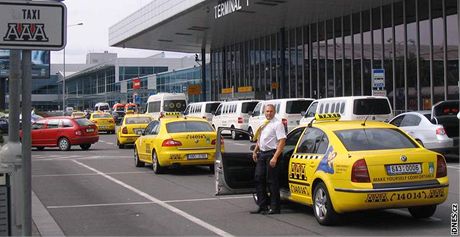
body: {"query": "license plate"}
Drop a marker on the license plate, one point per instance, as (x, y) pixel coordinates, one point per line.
(197, 156)
(102, 127)
(90, 130)
(138, 131)
(404, 169)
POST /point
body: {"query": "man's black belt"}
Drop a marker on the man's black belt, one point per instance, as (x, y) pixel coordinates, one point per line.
(273, 150)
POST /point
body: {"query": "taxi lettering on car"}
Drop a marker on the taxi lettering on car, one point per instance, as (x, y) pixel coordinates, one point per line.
(132, 127)
(345, 166)
(174, 140)
(104, 121)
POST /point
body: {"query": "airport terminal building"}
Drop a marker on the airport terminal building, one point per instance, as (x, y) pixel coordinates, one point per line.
(309, 48)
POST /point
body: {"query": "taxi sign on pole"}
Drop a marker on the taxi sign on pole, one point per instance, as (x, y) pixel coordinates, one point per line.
(243, 89)
(32, 25)
(194, 89)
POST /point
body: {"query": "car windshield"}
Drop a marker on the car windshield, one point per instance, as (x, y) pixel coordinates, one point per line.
(297, 106)
(248, 106)
(102, 116)
(212, 107)
(138, 120)
(83, 122)
(374, 139)
(188, 126)
(174, 105)
(371, 106)
(104, 107)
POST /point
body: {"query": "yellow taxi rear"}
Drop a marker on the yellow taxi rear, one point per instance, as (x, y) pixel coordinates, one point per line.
(104, 122)
(77, 114)
(385, 168)
(132, 127)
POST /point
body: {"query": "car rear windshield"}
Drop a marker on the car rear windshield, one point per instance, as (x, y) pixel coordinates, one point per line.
(120, 109)
(297, 106)
(248, 106)
(102, 116)
(446, 108)
(371, 106)
(188, 126)
(104, 107)
(138, 120)
(212, 107)
(174, 105)
(374, 139)
(83, 122)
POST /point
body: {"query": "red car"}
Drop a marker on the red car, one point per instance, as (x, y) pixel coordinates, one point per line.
(63, 132)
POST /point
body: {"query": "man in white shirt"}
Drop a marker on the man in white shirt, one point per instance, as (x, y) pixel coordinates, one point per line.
(271, 138)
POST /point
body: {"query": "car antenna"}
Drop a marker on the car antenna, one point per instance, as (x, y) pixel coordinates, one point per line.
(364, 122)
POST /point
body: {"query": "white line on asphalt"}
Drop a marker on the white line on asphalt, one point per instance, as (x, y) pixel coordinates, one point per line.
(161, 203)
(85, 158)
(88, 174)
(142, 203)
(453, 167)
(45, 223)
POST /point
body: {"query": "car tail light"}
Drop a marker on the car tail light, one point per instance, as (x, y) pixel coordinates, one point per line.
(112, 121)
(359, 173)
(285, 122)
(124, 130)
(94, 121)
(440, 131)
(214, 142)
(441, 170)
(240, 119)
(171, 142)
(78, 133)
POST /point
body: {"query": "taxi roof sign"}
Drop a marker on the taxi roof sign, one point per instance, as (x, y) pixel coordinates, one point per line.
(327, 117)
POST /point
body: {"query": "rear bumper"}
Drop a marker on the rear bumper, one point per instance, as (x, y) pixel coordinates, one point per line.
(168, 158)
(127, 139)
(85, 140)
(110, 127)
(349, 200)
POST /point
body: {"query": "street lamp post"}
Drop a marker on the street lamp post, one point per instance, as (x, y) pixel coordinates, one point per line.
(63, 72)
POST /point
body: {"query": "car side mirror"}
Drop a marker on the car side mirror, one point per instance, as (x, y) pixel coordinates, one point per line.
(251, 113)
(252, 148)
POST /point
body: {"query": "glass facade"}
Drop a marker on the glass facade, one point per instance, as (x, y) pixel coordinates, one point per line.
(414, 41)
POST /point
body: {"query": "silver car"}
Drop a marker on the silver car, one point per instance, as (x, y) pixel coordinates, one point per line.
(425, 130)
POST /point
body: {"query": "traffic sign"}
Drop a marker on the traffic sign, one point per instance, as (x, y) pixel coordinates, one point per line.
(32, 25)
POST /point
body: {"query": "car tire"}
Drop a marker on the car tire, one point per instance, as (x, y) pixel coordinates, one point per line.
(137, 162)
(322, 206)
(156, 167)
(64, 144)
(120, 146)
(422, 211)
(235, 135)
(40, 148)
(251, 135)
(211, 168)
(85, 147)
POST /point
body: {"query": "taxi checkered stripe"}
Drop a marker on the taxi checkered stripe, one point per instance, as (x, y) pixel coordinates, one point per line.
(306, 157)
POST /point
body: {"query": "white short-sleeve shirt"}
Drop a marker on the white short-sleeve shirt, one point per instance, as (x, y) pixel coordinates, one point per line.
(271, 134)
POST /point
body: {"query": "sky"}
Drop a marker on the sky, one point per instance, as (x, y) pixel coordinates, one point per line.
(93, 36)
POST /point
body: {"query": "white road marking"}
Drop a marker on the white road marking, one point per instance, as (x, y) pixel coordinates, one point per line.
(143, 203)
(45, 223)
(85, 158)
(453, 167)
(89, 174)
(194, 219)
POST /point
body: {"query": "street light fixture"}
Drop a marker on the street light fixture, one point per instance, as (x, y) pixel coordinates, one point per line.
(63, 72)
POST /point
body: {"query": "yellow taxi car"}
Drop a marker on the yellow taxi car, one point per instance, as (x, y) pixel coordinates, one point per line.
(78, 114)
(345, 166)
(131, 128)
(176, 141)
(104, 121)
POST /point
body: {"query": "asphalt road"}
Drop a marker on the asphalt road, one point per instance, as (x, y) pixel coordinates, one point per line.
(100, 192)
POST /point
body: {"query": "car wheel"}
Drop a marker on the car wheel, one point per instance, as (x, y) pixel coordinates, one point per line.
(120, 146)
(40, 148)
(322, 206)
(137, 162)
(156, 167)
(420, 142)
(85, 146)
(64, 144)
(211, 169)
(422, 211)
(235, 135)
(251, 135)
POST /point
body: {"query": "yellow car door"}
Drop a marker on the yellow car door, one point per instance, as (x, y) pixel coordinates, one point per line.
(144, 143)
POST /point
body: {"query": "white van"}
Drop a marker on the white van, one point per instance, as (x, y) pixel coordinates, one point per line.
(351, 108)
(202, 109)
(287, 110)
(165, 102)
(102, 106)
(233, 114)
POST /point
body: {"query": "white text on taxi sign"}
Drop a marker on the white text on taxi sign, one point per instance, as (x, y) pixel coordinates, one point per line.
(32, 25)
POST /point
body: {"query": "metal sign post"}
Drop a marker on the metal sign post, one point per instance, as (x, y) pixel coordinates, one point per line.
(26, 26)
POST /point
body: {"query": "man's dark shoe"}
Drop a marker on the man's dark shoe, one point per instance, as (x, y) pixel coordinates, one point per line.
(259, 210)
(273, 211)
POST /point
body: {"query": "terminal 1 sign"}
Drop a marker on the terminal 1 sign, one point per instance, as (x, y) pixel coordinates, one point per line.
(32, 25)
(225, 7)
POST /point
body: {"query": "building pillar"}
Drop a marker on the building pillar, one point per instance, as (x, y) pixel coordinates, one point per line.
(203, 74)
